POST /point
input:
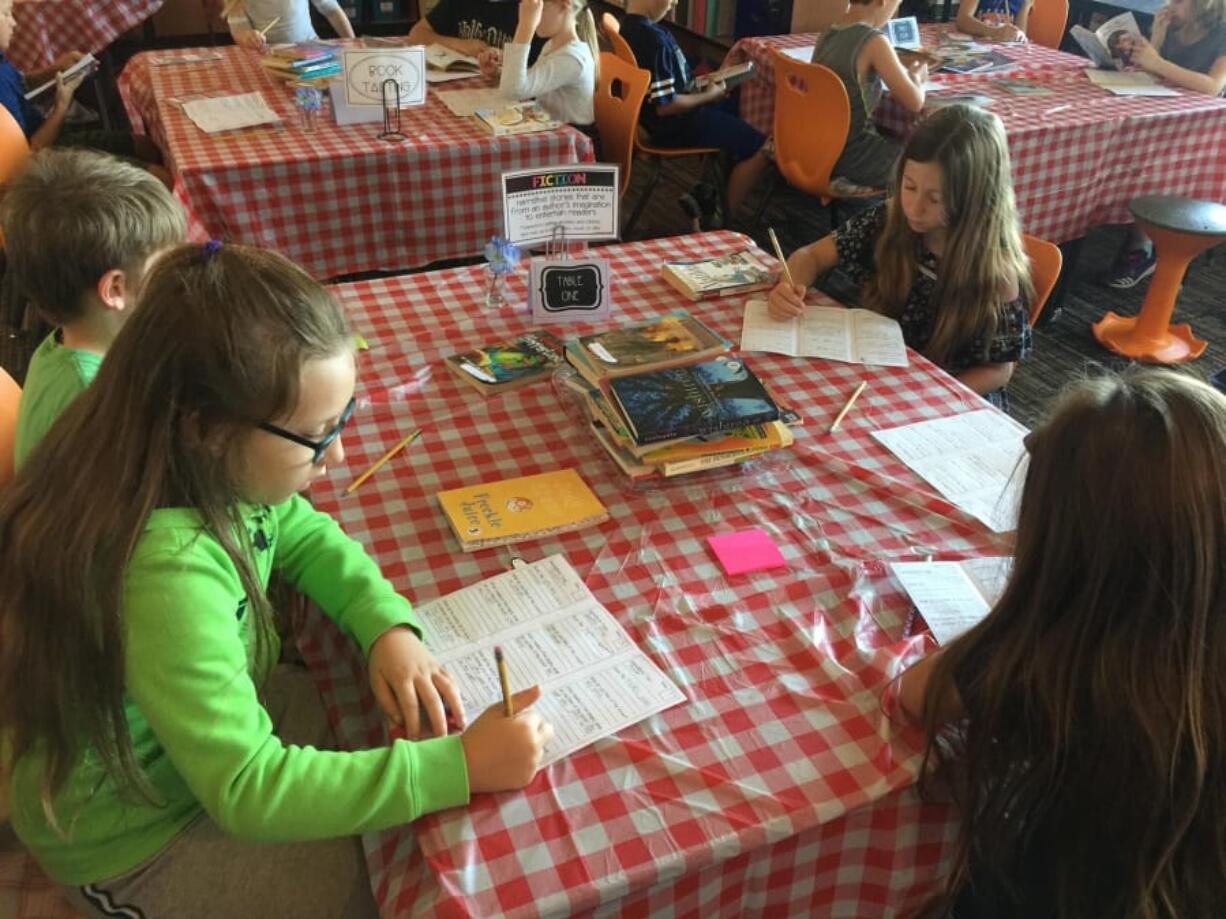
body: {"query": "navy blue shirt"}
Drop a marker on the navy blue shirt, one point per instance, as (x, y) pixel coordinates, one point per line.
(13, 97)
(656, 50)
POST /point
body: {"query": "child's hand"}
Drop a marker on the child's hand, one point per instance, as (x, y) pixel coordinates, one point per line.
(490, 61)
(1008, 32)
(530, 14)
(786, 301)
(66, 60)
(919, 71)
(717, 90)
(1144, 55)
(406, 678)
(251, 40)
(504, 753)
(470, 46)
(65, 88)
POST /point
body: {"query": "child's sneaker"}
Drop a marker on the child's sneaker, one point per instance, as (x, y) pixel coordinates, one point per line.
(693, 211)
(708, 202)
(1131, 267)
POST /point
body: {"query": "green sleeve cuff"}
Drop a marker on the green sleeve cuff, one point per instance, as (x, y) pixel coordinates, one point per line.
(439, 773)
(367, 629)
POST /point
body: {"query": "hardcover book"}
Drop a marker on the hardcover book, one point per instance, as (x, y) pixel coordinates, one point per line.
(669, 341)
(508, 365)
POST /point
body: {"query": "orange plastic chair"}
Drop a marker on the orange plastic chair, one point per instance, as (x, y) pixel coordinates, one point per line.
(1045, 263)
(812, 117)
(1046, 23)
(612, 30)
(10, 395)
(620, 91)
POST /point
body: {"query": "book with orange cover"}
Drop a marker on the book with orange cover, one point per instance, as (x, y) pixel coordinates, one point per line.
(514, 510)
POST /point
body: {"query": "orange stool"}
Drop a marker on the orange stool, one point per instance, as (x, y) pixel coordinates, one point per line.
(1181, 229)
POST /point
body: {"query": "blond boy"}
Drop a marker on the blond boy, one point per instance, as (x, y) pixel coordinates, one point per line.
(80, 228)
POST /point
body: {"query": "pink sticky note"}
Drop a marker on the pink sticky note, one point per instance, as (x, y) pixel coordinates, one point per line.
(746, 550)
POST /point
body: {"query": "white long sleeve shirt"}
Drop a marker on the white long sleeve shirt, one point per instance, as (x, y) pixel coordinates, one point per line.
(294, 24)
(563, 80)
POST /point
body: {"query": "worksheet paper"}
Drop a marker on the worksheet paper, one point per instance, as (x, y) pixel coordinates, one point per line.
(465, 102)
(975, 460)
(833, 332)
(594, 679)
(953, 596)
(803, 54)
(229, 113)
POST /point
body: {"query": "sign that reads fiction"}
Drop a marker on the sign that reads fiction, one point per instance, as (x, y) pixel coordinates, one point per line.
(566, 289)
(579, 202)
(366, 71)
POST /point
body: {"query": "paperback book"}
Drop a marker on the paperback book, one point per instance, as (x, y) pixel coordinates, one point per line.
(517, 118)
(731, 76)
(508, 365)
(1110, 46)
(733, 273)
(669, 341)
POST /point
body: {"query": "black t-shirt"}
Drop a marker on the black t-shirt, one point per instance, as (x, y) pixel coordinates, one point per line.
(1199, 55)
(492, 22)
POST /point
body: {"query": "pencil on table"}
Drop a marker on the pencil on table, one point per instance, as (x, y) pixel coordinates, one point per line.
(846, 408)
(787, 274)
(353, 486)
(508, 707)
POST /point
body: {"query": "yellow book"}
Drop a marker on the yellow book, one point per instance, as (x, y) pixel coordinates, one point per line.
(513, 510)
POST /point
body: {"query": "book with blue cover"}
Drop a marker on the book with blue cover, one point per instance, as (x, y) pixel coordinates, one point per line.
(694, 400)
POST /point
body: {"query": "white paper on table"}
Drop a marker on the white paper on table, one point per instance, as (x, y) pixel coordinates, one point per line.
(953, 596)
(465, 102)
(803, 54)
(832, 332)
(229, 113)
(447, 76)
(594, 679)
(187, 57)
(975, 460)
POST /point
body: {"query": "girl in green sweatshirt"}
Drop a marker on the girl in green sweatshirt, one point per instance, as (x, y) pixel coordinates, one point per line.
(156, 760)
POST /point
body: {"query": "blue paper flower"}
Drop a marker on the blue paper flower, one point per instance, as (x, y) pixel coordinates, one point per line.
(502, 254)
(308, 98)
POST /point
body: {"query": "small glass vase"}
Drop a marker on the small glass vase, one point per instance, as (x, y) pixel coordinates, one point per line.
(495, 289)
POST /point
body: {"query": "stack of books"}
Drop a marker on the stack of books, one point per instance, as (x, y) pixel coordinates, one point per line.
(308, 61)
(667, 397)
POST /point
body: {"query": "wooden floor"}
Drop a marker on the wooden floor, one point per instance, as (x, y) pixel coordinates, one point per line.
(1064, 347)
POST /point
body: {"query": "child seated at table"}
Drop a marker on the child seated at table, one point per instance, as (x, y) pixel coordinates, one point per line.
(1084, 720)
(154, 746)
(563, 79)
(995, 20)
(855, 49)
(943, 255)
(471, 27)
(80, 229)
(44, 130)
(1187, 47)
(678, 114)
(256, 24)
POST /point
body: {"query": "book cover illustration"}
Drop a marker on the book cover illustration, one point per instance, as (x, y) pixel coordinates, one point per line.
(705, 398)
(509, 364)
(519, 118)
(736, 269)
(669, 338)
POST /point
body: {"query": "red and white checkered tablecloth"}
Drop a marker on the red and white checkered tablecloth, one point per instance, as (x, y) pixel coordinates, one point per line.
(781, 788)
(1079, 154)
(337, 200)
(48, 28)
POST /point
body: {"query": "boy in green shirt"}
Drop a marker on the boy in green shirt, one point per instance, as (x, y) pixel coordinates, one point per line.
(80, 229)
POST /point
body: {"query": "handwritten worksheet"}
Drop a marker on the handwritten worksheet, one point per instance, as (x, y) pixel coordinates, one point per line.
(229, 113)
(594, 679)
(833, 332)
(953, 596)
(975, 460)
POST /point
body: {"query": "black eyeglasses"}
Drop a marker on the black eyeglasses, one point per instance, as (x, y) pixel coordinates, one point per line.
(318, 446)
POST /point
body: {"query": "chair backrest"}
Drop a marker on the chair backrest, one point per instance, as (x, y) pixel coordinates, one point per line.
(812, 115)
(620, 91)
(613, 32)
(1046, 23)
(14, 148)
(1045, 261)
(10, 395)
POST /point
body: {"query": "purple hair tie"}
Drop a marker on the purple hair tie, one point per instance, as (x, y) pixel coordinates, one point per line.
(211, 248)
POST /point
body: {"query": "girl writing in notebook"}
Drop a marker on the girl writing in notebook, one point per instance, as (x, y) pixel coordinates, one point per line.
(256, 24)
(1084, 720)
(995, 20)
(151, 742)
(943, 255)
(563, 79)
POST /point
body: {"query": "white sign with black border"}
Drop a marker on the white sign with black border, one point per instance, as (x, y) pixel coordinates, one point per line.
(366, 71)
(569, 289)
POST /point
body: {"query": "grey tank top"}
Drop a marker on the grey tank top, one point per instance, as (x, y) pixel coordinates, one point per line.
(839, 48)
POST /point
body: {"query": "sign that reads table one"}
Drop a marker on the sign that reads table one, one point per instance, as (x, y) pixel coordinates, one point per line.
(366, 71)
(566, 289)
(579, 201)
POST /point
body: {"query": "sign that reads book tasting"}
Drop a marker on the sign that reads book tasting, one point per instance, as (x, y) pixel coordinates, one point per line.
(539, 205)
(366, 71)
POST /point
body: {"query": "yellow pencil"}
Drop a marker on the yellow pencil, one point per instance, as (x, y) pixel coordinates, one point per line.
(353, 486)
(508, 706)
(787, 274)
(264, 31)
(854, 396)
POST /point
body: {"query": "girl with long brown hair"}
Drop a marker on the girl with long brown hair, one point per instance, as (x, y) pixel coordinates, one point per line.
(943, 255)
(150, 742)
(1082, 724)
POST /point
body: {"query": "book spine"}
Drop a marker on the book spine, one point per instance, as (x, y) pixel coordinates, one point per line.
(710, 461)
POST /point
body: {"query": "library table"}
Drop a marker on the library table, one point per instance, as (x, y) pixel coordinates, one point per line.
(47, 28)
(782, 787)
(337, 200)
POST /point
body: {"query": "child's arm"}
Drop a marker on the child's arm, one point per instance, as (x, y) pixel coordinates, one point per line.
(331, 11)
(244, 33)
(440, 27)
(1145, 55)
(986, 378)
(967, 22)
(49, 130)
(913, 687)
(906, 84)
(805, 265)
(61, 63)
(1023, 15)
(684, 102)
(551, 71)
